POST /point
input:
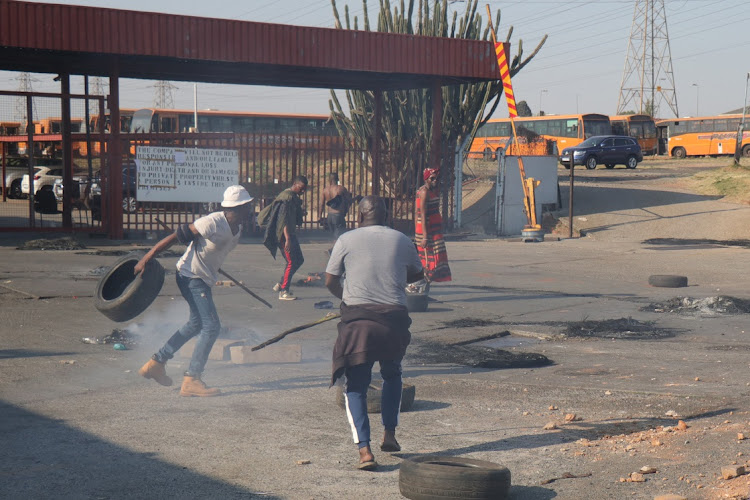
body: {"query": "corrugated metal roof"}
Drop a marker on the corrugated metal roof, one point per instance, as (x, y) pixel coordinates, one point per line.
(83, 40)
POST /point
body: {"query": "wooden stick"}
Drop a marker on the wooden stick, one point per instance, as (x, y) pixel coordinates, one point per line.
(260, 299)
(224, 273)
(327, 317)
(29, 295)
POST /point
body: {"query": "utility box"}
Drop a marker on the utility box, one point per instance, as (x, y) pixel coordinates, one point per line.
(509, 213)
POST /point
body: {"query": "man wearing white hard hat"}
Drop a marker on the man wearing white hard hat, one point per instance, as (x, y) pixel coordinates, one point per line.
(209, 240)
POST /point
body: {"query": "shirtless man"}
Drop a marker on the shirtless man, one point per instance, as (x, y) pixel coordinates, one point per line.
(338, 200)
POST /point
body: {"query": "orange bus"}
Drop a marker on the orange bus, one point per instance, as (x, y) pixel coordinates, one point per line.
(563, 131)
(149, 120)
(96, 126)
(640, 127)
(701, 136)
(10, 128)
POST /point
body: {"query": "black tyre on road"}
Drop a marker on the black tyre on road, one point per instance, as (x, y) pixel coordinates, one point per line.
(591, 162)
(121, 295)
(679, 152)
(434, 477)
(610, 165)
(746, 151)
(632, 162)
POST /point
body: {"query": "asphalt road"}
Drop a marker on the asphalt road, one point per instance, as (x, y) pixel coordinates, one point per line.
(78, 422)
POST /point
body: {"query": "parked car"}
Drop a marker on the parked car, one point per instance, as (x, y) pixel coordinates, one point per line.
(80, 182)
(43, 176)
(129, 187)
(609, 150)
(16, 167)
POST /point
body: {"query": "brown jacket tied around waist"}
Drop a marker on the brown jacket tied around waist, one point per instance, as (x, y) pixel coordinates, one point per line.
(369, 333)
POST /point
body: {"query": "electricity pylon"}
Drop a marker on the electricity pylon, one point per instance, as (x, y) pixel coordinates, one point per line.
(97, 87)
(648, 79)
(163, 96)
(24, 85)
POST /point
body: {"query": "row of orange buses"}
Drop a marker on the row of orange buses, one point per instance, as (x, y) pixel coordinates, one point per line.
(153, 120)
(562, 130)
(679, 137)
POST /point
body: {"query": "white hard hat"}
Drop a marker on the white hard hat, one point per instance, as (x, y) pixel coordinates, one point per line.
(235, 196)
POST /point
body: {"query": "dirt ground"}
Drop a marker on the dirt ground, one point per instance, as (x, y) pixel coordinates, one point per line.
(604, 387)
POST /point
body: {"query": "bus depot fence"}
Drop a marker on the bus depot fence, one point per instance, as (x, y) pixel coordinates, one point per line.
(267, 164)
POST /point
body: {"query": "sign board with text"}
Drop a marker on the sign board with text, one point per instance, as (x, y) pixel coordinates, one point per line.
(185, 174)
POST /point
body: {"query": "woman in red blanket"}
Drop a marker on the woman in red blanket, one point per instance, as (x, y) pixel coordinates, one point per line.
(430, 242)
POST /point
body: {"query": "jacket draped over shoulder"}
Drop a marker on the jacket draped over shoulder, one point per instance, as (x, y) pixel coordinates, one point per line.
(369, 333)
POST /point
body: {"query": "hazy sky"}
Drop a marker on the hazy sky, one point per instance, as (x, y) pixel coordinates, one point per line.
(579, 69)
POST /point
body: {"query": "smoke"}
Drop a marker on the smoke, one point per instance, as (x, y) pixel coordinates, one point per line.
(155, 326)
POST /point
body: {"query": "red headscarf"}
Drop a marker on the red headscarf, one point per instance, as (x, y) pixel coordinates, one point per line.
(429, 171)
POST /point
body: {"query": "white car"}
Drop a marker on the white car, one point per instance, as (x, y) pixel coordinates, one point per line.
(43, 176)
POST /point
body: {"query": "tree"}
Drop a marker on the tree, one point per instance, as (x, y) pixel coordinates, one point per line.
(523, 109)
(407, 114)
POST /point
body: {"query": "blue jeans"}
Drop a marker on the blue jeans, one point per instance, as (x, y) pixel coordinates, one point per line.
(203, 322)
(336, 224)
(357, 380)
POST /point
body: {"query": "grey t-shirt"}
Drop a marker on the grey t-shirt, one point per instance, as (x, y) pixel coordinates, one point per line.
(206, 253)
(376, 260)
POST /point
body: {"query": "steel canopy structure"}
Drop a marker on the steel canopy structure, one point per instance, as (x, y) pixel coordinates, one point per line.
(78, 40)
(50, 38)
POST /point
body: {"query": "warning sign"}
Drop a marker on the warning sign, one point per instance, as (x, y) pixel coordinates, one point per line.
(185, 174)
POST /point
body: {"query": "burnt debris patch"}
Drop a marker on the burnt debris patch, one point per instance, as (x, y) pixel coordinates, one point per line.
(622, 328)
(475, 356)
(708, 306)
(701, 241)
(66, 243)
(118, 336)
(470, 323)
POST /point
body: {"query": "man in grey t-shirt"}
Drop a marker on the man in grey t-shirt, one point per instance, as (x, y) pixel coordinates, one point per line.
(378, 263)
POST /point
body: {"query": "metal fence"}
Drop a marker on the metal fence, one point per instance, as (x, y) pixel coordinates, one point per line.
(268, 164)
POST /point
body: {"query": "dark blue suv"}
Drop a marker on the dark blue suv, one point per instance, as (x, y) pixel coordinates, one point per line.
(609, 150)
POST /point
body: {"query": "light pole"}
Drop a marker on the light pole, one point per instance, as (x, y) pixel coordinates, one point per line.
(697, 96)
(741, 131)
(540, 100)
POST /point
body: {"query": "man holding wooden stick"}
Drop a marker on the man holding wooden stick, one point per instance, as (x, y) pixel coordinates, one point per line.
(378, 262)
(209, 240)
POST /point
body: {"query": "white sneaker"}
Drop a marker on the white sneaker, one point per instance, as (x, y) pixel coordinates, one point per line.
(277, 287)
(286, 295)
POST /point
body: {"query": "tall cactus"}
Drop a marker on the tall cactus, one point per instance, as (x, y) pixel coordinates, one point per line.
(407, 114)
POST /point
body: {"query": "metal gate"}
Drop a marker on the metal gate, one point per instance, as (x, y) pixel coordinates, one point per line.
(268, 165)
(35, 159)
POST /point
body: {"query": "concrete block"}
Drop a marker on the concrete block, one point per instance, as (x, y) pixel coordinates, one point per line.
(219, 352)
(290, 353)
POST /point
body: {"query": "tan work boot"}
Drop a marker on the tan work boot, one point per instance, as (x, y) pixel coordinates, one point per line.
(157, 371)
(194, 386)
